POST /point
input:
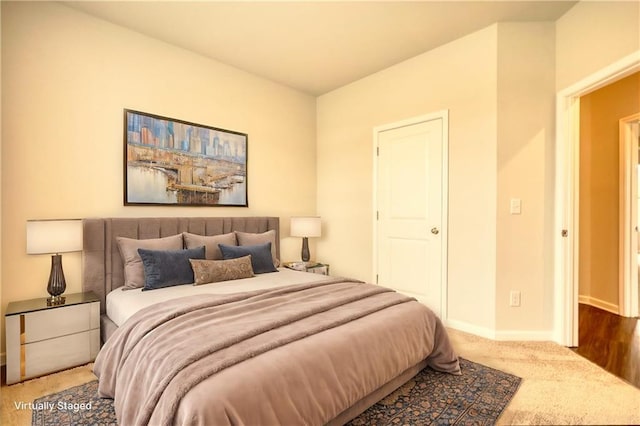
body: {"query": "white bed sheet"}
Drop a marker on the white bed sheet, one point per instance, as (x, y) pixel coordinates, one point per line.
(122, 304)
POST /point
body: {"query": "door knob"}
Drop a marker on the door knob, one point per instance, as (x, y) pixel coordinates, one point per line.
(435, 231)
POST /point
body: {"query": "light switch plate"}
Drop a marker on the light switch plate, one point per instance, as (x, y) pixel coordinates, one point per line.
(516, 206)
(514, 298)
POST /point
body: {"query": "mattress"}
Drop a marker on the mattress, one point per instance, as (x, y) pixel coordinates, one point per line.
(122, 304)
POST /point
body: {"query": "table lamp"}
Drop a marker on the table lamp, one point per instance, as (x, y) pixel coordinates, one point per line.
(54, 237)
(305, 227)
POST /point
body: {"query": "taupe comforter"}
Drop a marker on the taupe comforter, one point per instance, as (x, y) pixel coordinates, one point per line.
(293, 355)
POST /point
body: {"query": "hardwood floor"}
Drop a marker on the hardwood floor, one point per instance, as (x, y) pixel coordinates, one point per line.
(611, 341)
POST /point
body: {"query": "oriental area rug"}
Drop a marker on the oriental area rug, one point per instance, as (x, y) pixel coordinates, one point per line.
(476, 397)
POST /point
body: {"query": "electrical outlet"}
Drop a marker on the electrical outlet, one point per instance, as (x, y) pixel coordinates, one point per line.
(514, 298)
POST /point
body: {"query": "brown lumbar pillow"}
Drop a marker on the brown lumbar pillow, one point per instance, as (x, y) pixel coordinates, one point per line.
(213, 271)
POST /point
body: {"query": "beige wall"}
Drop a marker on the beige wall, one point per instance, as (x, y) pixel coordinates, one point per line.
(526, 57)
(600, 112)
(498, 85)
(460, 77)
(592, 35)
(66, 79)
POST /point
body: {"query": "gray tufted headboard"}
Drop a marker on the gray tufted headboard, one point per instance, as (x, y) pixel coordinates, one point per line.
(102, 268)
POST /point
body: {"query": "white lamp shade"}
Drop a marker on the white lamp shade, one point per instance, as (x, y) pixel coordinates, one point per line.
(53, 236)
(307, 226)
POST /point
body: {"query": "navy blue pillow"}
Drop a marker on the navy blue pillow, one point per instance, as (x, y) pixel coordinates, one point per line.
(166, 268)
(261, 260)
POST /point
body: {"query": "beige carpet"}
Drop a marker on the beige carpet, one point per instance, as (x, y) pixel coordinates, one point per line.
(559, 387)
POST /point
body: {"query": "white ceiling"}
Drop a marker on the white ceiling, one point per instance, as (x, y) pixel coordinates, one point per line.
(316, 46)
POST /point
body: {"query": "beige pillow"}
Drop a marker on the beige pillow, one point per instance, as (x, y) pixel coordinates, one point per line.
(210, 242)
(251, 239)
(213, 271)
(133, 268)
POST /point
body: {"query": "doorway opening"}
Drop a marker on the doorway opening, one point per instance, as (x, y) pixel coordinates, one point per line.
(567, 192)
(629, 291)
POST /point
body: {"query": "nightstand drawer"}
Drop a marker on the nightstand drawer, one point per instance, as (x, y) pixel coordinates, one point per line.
(51, 323)
(57, 354)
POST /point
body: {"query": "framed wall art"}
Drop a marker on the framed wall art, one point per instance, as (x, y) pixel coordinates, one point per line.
(178, 163)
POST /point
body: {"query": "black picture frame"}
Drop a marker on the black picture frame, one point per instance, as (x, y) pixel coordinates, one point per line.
(171, 162)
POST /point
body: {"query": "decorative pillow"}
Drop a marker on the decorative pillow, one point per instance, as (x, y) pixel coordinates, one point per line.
(261, 260)
(133, 269)
(210, 242)
(213, 271)
(166, 268)
(251, 239)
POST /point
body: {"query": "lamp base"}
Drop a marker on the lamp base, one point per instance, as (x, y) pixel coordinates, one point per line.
(305, 249)
(55, 300)
(57, 284)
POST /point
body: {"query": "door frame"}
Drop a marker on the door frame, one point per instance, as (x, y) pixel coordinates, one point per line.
(444, 231)
(567, 190)
(628, 292)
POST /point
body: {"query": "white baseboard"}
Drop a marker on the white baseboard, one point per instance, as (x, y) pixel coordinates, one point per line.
(527, 335)
(487, 333)
(597, 303)
(501, 335)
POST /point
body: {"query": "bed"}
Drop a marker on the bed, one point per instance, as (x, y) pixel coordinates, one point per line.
(285, 347)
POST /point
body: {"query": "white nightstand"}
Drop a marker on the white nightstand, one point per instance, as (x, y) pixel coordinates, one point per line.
(315, 267)
(42, 339)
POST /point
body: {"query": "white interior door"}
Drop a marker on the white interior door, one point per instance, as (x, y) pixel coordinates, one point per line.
(410, 225)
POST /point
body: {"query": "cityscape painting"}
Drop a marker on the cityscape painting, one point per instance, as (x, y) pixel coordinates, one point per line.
(174, 162)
